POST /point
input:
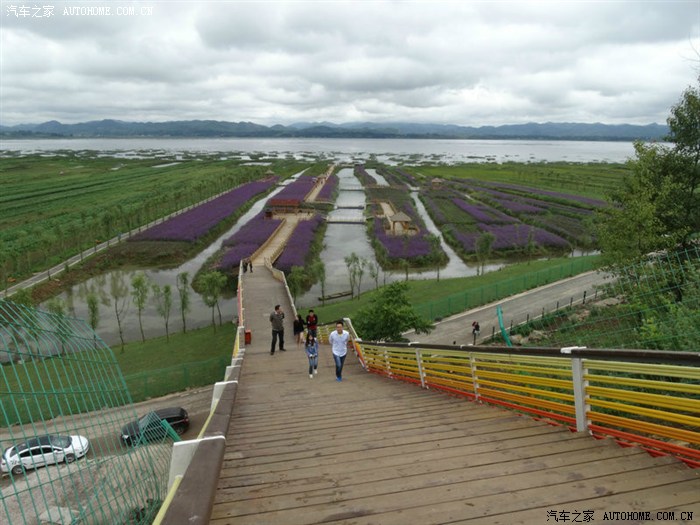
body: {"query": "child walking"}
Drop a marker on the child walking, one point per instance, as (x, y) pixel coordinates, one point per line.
(311, 348)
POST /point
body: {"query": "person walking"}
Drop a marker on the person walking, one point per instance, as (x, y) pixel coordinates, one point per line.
(312, 323)
(299, 329)
(476, 329)
(277, 322)
(339, 346)
(311, 348)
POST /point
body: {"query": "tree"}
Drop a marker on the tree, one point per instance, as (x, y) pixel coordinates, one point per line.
(212, 285)
(374, 273)
(389, 315)
(93, 304)
(658, 206)
(58, 308)
(319, 270)
(436, 250)
(119, 292)
(139, 294)
(405, 264)
(164, 302)
(350, 262)
(183, 289)
(360, 266)
(295, 280)
(484, 244)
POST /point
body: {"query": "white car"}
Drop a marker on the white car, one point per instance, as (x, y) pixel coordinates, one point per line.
(43, 450)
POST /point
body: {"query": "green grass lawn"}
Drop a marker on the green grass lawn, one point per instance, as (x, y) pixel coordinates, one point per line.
(41, 389)
(429, 296)
(590, 180)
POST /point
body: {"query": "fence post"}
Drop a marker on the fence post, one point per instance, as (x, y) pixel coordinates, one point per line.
(475, 379)
(421, 372)
(387, 364)
(584, 297)
(578, 372)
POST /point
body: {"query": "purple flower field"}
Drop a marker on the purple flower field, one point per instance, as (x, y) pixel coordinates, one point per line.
(527, 191)
(514, 206)
(297, 189)
(296, 250)
(197, 222)
(482, 213)
(249, 238)
(400, 246)
(509, 236)
(328, 188)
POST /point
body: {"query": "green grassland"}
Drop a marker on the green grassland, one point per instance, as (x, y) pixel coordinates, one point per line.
(590, 180)
(150, 369)
(54, 207)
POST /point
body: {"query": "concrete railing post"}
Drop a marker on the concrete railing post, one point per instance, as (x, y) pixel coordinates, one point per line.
(578, 373)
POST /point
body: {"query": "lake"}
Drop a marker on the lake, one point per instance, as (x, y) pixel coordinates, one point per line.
(389, 151)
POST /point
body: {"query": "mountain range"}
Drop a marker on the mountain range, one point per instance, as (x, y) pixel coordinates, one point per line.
(216, 128)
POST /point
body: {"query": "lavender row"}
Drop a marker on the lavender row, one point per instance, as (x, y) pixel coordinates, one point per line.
(247, 240)
(401, 246)
(256, 230)
(297, 189)
(329, 187)
(595, 203)
(299, 244)
(199, 221)
(509, 236)
(483, 213)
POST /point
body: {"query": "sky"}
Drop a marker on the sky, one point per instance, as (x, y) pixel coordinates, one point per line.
(469, 63)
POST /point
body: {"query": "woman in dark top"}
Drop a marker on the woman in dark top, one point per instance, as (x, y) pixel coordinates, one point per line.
(299, 329)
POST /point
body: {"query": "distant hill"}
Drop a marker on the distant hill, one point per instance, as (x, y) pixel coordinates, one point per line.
(216, 128)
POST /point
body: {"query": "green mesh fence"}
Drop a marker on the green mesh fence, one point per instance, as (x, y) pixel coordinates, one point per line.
(653, 305)
(63, 405)
(163, 381)
(460, 302)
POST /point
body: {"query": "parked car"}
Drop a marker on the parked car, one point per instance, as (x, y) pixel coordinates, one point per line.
(149, 427)
(43, 450)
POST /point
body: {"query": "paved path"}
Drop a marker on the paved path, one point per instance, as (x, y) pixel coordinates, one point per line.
(374, 451)
(515, 309)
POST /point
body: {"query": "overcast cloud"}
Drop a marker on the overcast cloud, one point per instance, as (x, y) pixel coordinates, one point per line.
(458, 62)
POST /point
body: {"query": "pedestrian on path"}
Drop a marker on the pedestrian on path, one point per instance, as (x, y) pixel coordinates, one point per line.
(312, 323)
(339, 346)
(476, 329)
(299, 329)
(277, 322)
(311, 348)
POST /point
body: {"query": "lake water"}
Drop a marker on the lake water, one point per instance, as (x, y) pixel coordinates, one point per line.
(389, 151)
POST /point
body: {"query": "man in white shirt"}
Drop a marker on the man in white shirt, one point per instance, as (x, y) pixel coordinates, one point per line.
(339, 346)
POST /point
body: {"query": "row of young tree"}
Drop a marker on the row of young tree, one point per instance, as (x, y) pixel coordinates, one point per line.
(138, 292)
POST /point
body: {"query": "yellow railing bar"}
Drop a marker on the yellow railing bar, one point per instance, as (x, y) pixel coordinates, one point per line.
(678, 403)
(648, 412)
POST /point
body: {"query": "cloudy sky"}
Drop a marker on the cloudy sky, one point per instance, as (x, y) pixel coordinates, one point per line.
(279, 62)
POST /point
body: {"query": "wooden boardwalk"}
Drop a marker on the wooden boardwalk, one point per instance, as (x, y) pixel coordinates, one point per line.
(374, 451)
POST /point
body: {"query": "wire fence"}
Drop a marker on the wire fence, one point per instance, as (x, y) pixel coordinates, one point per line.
(156, 383)
(459, 302)
(64, 409)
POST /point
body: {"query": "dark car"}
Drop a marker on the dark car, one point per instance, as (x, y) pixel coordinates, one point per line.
(150, 428)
